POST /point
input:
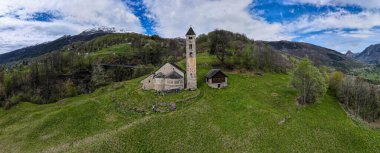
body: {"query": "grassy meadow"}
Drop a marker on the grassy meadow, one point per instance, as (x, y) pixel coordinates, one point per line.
(244, 117)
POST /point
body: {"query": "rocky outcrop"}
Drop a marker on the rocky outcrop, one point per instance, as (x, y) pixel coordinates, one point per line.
(370, 55)
(350, 54)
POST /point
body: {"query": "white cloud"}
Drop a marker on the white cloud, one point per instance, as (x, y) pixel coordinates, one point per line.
(343, 41)
(339, 39)
(336, 23)
(335, 20)
(75, 16)
(174, 17)
(370, 4)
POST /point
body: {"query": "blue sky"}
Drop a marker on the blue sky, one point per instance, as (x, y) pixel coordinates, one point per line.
(337, 24)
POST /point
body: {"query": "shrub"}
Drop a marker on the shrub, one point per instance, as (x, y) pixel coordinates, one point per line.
(335, 81)
(14, 100)
(309, 82)
(360, 97)
(36, 99)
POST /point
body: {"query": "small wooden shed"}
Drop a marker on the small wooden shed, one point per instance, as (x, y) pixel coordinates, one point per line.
(215, 78)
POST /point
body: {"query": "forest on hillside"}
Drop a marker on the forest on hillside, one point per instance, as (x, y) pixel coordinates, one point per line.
(77, 68)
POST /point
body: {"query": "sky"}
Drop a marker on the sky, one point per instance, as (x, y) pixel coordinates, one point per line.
(341, 25)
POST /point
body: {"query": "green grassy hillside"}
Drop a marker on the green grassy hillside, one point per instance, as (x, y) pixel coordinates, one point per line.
(241, 118)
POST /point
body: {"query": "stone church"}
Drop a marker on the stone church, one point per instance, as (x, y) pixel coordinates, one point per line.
(171, 77)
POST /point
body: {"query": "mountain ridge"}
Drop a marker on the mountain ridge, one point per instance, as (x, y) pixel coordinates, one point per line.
(370, 55)
(319, 55)
(50, 46)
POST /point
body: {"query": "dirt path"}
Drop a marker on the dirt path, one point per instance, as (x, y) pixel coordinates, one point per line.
(97, 137)
(107, 134)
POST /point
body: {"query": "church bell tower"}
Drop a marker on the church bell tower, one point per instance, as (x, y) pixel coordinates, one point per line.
(191, 60)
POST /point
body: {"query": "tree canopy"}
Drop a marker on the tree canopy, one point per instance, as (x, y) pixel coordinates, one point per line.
(309, 81)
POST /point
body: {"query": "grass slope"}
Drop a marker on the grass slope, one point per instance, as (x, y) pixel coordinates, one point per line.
(241, 118)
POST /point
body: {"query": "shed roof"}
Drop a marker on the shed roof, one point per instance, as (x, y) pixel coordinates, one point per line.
(212, 72)
(190, 32)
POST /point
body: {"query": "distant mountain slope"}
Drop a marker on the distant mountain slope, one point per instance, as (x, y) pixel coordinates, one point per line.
(40, 49)
(370, 55)
(319, 55)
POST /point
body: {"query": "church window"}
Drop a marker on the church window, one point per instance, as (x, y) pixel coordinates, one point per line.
(191, 46)
(190, 38)
(191, 54)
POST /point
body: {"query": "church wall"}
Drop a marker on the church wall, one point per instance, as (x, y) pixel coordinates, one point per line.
(171, 84)
(159, 84)
(147, 83)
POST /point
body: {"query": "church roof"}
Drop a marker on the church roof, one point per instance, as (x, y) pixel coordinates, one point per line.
(171, 75)
(159, 75)
(179, 68)
(212, 72)
(174, 75)
(190, 32)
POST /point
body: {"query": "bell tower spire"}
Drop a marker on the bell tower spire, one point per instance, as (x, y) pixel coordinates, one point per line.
(191, 60)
